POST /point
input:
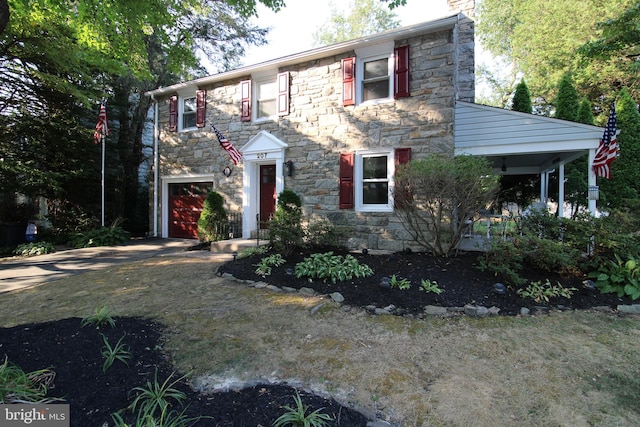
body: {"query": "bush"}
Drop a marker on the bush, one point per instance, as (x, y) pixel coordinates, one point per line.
(322, 233)
(212, 224)
(34, 248)
(327, 266)
(285, 229)
(103, 236)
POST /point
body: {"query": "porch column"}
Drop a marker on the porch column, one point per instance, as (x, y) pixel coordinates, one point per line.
(591, 181)
(561, 190)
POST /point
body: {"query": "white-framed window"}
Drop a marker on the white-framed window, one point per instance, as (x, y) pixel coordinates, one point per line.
(266, 93)
(373, 179)
(187, 112)
(374, 73)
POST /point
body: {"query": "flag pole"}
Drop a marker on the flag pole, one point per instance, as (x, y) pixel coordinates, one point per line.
(103, 138)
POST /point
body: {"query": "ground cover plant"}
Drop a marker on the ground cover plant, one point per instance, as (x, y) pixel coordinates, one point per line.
(179, 317)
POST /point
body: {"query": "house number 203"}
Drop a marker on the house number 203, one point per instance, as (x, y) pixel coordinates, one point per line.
(261, 155)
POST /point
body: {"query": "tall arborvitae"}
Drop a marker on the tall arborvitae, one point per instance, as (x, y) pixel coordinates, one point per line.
(622, 191)
(522, 98)
(566, 102)
(576, 172)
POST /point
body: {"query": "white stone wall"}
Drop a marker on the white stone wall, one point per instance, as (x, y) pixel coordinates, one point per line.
(318, 128)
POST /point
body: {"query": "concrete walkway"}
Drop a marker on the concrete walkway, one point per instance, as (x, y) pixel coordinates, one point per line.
(18, 272)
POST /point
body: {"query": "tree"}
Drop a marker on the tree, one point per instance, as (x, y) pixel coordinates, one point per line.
(364, 17)
(567, 101)
(522, 98)
(57, 60)
(435, 196)
(212, 224)
(622, 191)
(541, 38)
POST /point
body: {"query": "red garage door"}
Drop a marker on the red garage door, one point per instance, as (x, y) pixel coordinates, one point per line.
(185, 205)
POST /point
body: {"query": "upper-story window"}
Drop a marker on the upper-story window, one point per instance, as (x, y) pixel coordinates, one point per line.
(187, 111)
(265, 97)
(377, 73)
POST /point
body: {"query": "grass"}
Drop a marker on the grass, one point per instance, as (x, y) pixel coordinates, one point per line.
(573, 369)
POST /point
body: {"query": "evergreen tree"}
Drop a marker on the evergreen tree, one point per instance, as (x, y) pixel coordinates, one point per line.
(522, 98)
(622, 191)
(566, 101)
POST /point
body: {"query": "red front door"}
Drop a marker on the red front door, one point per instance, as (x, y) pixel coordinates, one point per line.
(267, 193)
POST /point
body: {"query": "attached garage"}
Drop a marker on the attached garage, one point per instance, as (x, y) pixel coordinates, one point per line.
(185, 203)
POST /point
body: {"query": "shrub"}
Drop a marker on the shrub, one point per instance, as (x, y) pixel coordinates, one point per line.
(285, 229)
(212, 224)
(539, 291)
(434, 196)
(322, 233)
(103, 236)
(427, 286)
(34, 248)
(619, 277)
(298, 416)
(17, 386)
(327, 266)
(504, 259)
(266, 263)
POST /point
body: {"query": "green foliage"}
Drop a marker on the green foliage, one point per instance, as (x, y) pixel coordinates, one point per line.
(285, 229)
(402, 284)
(362, 18)
(539, 291)
(540, 40)
(327, 266)
(212, 224)
(103, 236)
(298, 417)
(622, 191)
(322, 233)
(112, 353)
(17, 386)
(619, 277)
(522, 98)
(34, 248)
(257, 250)
(157, 396)
(428, 286)
(567, 103)
(504, 259)
(101, 317)
(152, 406)
(444, 192)
(266, 263)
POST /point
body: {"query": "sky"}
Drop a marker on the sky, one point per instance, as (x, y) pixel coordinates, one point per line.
(293, 26)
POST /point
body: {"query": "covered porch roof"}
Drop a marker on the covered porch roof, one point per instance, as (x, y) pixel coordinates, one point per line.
(519, 143)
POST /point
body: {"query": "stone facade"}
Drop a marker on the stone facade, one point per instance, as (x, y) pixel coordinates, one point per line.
(318, 128)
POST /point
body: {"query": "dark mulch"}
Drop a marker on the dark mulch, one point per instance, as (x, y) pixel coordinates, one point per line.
(459, 277)
(73, 353)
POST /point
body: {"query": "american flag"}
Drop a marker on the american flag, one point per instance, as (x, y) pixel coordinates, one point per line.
(235, 155)
(102, 127)
(608, 148)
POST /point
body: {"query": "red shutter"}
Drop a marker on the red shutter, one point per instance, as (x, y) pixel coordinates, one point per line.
(173, 114)
(201, 108)
(346, 180)
(402, 195)
(401, 72)
(283, 93)
(245, 93)
(349, 81)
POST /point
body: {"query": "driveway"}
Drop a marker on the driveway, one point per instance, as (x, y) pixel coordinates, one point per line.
(19, 272)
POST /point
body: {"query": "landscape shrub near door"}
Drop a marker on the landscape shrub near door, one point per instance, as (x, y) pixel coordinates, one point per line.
(212, 224)
(285, 229)
(435, 196)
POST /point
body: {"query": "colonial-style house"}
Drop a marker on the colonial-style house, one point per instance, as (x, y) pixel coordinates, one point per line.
(331, 124)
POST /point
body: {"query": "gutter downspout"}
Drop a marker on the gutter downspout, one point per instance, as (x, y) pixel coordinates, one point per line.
(155, 166)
